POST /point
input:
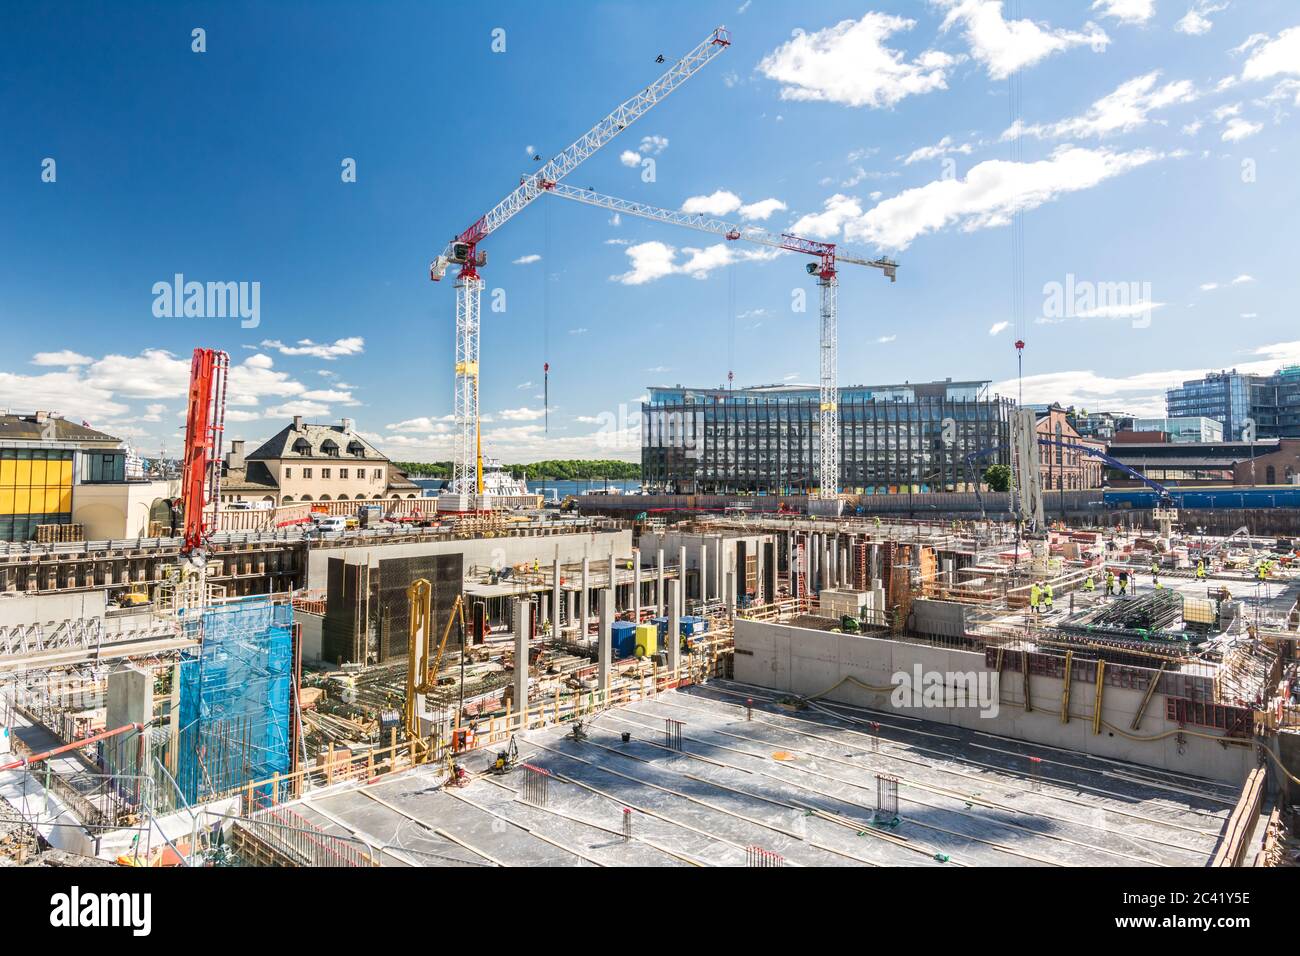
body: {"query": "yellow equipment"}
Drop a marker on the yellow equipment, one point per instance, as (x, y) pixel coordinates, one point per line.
(420, 594)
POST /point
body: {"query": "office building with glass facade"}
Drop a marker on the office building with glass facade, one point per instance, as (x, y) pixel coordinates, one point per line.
(1223, 396)
(763, 440)
(1271, 402)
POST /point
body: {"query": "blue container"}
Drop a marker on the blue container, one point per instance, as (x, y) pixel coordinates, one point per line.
(623, 638)
(694, 626)
(691, 627)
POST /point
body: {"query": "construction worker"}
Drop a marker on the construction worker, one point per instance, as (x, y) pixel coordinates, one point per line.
(1261, 571)
(1200, 569)
(1123, 583)
(1110, 583)
(1155, 574)
(1035, 595)
(1089, 584)
(876, 521)
(1047, 596)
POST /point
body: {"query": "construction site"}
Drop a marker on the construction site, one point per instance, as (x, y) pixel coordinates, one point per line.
(814, 679)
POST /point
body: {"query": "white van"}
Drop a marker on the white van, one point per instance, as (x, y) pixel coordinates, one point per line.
(331, 523)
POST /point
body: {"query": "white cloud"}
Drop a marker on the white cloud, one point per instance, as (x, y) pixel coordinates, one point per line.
(720, 203)
(1209, 286)
(306, 409)
(761, 209)
(1125, 109)
(653, 145)
(154, 373)
(1128, 310)
(581, 330)
(340, 396)
(1005, 46)
(836, 211)
(424, 424)
(1126, 11)
(655, 260)
(990, 195)
(886, 339)
(1197, 20)
(1243, 279)
(353, 345)
(63, 392)
(941, 148)
(528, 259)
(1277, 57)
(1238, 129)
(522, 414)
(65, 358)
(997, 328)
(849, 63)
(530, 150)
(629, 157)
(723, 202)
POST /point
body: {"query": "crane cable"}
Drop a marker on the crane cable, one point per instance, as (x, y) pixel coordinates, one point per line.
(1016, 150)
(546, 318)
(731, 324)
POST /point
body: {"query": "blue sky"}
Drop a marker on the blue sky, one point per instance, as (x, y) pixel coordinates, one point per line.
(1155, 163)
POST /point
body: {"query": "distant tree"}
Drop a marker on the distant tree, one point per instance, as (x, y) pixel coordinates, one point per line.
(998, 477)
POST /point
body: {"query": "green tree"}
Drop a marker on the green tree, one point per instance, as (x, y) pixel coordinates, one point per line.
(998, 477)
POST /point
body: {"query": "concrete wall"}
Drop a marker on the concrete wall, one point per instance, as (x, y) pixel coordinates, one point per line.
(23, 609)
(483, 552)
(808, 662)
(119, 510)
(311, 634)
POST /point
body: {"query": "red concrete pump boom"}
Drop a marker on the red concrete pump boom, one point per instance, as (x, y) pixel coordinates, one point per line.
(204, 426)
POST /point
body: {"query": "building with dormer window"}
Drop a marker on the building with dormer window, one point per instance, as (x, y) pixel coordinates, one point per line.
(311, 463)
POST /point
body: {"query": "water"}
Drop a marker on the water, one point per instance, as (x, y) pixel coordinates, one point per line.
(550, 488)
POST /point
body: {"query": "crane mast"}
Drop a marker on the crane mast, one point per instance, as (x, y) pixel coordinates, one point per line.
(825, 269)
(467, 464)
(201, 465)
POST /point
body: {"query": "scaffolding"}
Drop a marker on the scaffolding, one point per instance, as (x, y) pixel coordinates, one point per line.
(235, 693)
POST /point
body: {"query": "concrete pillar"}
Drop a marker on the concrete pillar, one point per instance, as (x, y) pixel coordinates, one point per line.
(130, 701)
(673, 640)
(704, 570)
(521, 660)
(613, 581)
(636, 585)
(729, 592)
(681, 569)
(760, 567)
(571, 613)
(659, 584)
(604, 652)
(544, 608)
(814, 562)
(555, 594)
(873, 562)
(832, 561)
(583, 595)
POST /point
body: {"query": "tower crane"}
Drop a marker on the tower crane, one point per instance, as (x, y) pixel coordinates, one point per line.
(825, 269)
(464, 251)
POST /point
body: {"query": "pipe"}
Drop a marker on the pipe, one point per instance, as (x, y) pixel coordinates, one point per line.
(75, 745)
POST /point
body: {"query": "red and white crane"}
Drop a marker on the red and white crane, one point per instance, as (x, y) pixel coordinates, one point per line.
(826, 271)
(205, 422)
(464, 251)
